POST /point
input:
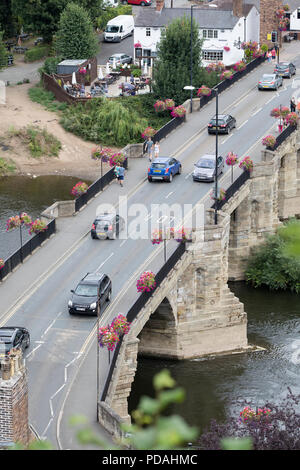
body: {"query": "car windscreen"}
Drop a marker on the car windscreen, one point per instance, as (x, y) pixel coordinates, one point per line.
(268, 78)
(112, 29)
(159, 165)
(220, 122)
(282, 66)
(5, 339)
(86, 290)
(205, 164)
(103, 223)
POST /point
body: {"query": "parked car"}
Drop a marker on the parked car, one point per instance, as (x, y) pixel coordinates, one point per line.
(270, 81)
(143, 3)
(107, 226)
(84, 298)
(38, 40)
(285, 69)
(119, 28)
(225, 124)
(164, 168)
(120, 59)
(205, 168)
(13, 337)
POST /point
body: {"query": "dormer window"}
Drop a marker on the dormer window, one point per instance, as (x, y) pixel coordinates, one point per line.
(148, 31)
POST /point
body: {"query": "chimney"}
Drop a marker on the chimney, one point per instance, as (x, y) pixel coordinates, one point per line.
(238, 8)
(159, 5)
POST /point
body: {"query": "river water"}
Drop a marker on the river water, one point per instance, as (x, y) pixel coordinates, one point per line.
(31, 195)
(218, 387)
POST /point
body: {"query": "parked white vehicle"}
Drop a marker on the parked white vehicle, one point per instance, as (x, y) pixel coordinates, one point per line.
(119, 28)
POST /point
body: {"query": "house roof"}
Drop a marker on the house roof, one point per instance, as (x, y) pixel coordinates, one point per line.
(205, 16)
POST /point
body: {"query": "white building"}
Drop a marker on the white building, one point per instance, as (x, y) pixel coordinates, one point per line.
(223, 29)
(294, 15)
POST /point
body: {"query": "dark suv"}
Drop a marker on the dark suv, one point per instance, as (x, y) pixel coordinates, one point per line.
(225, 124)
(285, 69)
(84, 298)
(13, 337)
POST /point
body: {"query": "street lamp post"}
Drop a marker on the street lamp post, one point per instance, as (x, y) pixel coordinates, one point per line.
(98, 349)
(216, 177)
(191, 62)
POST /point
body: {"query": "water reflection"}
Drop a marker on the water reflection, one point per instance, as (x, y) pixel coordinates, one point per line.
(32, 195)
(218, 386)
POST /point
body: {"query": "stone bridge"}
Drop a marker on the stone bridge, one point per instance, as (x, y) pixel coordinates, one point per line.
(193, 313)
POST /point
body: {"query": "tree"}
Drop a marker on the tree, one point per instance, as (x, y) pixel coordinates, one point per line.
(3, 53)
(7, 19)
(172, 66)
(75, 38)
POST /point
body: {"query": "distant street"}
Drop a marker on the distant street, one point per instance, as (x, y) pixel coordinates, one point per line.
(109, 48)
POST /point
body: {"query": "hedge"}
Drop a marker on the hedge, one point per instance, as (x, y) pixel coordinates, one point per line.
(37, 53)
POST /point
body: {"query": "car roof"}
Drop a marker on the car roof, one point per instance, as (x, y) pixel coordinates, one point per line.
(207, 157)
(220, 116)
(118, 54)
(92, 278)
(9, 331)
(161, 159)
(268, 75)
(105, 216)
(283, 63)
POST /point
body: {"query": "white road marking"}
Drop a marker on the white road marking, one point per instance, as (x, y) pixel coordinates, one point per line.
(242, 124)
(225, 140)
(166, 197)
(270, 100)
(124, 241)
(187, 176)
(256, 112)
(100, 266)
(33, 351)
(51, 324)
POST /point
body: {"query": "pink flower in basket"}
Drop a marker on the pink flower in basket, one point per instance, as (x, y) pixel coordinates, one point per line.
(169, 103)
(248, 414)
(157, 236)
(178, 111)
(204, 91)
(183, 235)
(226, 48)
(107, 337)
(146, 282)
(82, 70)
(227, 74)
(292, 119)
(221, 196)
(239, 66)
(231, 159)
(159, 106)
(103, 154)
(120, 325)
(246, 164)
(269, 141)
(37, 226)
(148, 132)
(137, 45)
(117, 158)
(79, 189)
(2, 263)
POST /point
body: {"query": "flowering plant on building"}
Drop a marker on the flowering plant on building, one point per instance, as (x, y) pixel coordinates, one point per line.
(120, 325)
(231, 159)
(217, 67)
(269, 141)
(283, 24)
(157, 236)
(183, 235)
(221, 195)
(226, 48)
(82, 70)
(79, 188)
(239, 66)
(246, 164)
(178, 111)
(146, 282)
(170, 104)
(2, 263)
(292, 119)
(117, 158)
(204, 91)
(148, 132)
(251, 45)
(137, 45)
(227, 74)
(159, 106)
(280, 12)
(107, 337)
(286, 7)
(37, 226)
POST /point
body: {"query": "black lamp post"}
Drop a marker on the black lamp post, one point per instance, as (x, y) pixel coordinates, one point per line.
(216, 169)
(98, 348)
(191, 62)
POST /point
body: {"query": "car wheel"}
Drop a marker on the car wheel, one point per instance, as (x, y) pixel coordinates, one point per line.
(109, 296)
(180, 170)
(170, 178)
(149, 179)
(93, 236)
(228, 130)
(27, 343)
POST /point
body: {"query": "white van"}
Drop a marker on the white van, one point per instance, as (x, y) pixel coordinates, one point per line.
(119, 28)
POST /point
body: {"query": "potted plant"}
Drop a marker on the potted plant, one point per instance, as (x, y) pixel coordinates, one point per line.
(204, 91)
(37, 226)
(226, 75)
(292, 119)
(107, 337)
(148, 132)
(231, 160)
(178, 111)
(79, 189)
(246, 164)
(226, 48)
(146, 282)
(120, 325)
(269, 141)
(157, 236)
(170, 104)
(103, 154)
(183, 235)
(159, 106)
(221, 195)
(239, 66)
(117, 158)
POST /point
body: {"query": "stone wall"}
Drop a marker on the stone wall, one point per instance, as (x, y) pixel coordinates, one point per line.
(269, 20)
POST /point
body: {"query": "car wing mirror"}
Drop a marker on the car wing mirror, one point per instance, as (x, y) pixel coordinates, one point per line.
(72, 290)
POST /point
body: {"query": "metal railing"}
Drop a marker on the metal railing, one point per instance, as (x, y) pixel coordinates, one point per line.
(165, 130)
(283, 136)
(233, 188)
(18, 256)
(140, 303)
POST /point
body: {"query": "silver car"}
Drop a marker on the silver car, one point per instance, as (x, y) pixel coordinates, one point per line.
(205, 168)
(120, 59)
(107, 226)
(270, 81)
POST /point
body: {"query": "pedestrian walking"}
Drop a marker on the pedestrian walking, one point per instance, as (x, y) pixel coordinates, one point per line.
(121, 174)
(273, 52)
(269, 56)
(156, 150)
(293, 104)
(149, 148)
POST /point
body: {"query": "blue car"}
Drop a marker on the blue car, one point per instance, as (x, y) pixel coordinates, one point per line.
(164, 168)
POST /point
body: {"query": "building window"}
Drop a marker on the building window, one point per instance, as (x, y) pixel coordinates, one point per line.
(210, 33)
(298, 13)
(148, 31)
(213, 56)
(138, 52)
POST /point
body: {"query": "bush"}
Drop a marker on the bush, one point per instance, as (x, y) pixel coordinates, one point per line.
(50, 65)
(39, 142)
(37, 53)
(6, 167)
(270, 265)
(46, 98)
(111, 12)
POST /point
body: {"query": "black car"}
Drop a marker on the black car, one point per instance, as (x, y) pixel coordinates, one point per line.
(107, 225)
(225, 124)
(13, 337)
(84, 298)
(285, 69)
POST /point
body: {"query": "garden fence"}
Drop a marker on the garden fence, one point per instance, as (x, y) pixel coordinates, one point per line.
(140, 303)
(18, 256)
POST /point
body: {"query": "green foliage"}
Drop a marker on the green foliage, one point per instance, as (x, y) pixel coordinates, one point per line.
(136, 72)
(264, 47)
(75, 38)
(50, 65)
(172, 67)
(111, 12)
(272, 265)
(291, 236)
(105, 121)
(39, 142)
(8, 20)
(6, 167)
(37, 53)
(46, 98)
(231, 443)
(3, 52)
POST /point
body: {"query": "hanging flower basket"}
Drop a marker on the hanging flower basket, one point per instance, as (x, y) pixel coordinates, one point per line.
(178, 111)
(284, 111)
(157, 236)
(117, 158)
(82, 70)
(286, 7)
(120, 325)
(148, 132)
(183, 235)
(239, 66)
(246, 164)
(283, 24)
(159, 106)
(226, 48)
(107, 338)
(137, 45)
(248, 414)
(292, 119)
(280, 13)
(275, 113)
(25, 219)
(217, 67)
(103, 154)
(2, 263)
(227, 74)
(269, 141)
(170, 104)
(13, 222)
(204, 91)
(231, 159)
(37, 226)
(79, 189)
(221, 195)
(146, 282)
